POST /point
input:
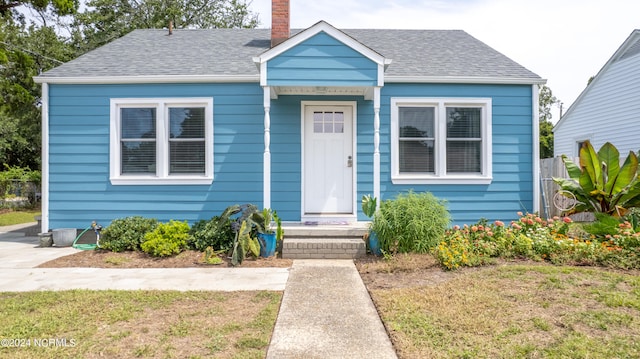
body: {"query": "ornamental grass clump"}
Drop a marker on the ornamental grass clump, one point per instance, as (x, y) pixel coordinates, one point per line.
(411, 222)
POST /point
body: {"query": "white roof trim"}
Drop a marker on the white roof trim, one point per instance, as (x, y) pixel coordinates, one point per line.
(321, 26)
(464, 80)
(631, 39)
(147, 79)
(256, 78)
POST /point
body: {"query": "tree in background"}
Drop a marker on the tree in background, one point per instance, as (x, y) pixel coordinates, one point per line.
(37, 35)
(26, 49)
(546, 100)
(107, 20)
(60, 7)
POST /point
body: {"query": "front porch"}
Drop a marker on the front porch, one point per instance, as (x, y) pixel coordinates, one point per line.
(324, 241)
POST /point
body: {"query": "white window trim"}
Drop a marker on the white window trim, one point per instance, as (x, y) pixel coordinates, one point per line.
(162, 176)
(441, 176)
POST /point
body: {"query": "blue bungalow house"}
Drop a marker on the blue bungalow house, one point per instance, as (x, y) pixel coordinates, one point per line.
(181, 124)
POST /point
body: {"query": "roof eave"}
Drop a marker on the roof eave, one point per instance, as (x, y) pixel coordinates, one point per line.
(152, 79)
(466, 80)
(256, 78)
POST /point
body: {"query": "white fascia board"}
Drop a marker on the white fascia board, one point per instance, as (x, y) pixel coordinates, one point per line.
(321, 26)
(465, 80)
(154, 79)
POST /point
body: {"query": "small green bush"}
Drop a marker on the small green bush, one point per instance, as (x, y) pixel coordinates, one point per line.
(412, 222)
(166, 239)
(126, 234)
(216, 233)
(604, 224)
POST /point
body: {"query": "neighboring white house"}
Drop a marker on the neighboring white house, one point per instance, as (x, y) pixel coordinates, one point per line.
(608, 109)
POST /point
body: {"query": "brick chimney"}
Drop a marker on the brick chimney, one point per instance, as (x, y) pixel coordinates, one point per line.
(279, 21)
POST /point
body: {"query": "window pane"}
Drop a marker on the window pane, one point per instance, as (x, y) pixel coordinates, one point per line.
(416, 156)
(338, 124)
(138, 123)
(187, 157)
(416, 122)
(328, 127)
(464, 156)
(186, 122)
(317, 122)
(138, 157)
(463, 122)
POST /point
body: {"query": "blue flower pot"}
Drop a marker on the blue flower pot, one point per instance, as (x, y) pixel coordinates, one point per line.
(374, 244)
(267, 244)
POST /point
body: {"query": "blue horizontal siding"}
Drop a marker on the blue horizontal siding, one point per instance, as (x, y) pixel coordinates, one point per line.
(321, 61)
(80, 191)
(511, 189)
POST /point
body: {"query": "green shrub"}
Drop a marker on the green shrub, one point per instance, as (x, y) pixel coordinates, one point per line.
(216, 233)
(412, 222)
(166, 239)
(126, 234)
(604, 224)
(19, 182)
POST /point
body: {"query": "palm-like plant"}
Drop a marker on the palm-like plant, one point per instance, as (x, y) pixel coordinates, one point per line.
(599, 183)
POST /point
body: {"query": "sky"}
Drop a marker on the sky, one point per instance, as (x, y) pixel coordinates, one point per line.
(563, 41)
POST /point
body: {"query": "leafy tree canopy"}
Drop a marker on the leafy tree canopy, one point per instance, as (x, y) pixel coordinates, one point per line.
(106, 20)
(60, 7)
(546, 101)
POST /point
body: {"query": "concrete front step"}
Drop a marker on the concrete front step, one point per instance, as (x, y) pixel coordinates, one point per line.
(323, 248)
(324, 241)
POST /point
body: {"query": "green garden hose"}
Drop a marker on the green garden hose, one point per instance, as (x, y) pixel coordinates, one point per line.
(87, 246)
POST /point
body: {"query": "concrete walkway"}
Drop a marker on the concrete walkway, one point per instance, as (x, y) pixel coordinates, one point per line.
(20, 254)
(326, 311)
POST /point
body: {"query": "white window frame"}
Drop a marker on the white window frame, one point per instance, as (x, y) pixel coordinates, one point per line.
(440, 176)
(162, 176)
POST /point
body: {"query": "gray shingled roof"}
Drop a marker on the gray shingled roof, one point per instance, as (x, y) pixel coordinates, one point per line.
(230, 52)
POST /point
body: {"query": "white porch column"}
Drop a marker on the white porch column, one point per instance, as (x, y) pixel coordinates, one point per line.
(44, 189)
(535, 105)
(376, 144)
(266, 172)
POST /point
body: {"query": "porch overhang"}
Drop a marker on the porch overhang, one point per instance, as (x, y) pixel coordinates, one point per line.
(367, 92)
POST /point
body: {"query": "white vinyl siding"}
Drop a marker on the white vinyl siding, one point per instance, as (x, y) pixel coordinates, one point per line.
(441, 140)
(161, 141)
(609, 111)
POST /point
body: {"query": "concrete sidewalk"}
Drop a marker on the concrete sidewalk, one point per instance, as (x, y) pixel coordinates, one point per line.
(20, 254)
(326, 311)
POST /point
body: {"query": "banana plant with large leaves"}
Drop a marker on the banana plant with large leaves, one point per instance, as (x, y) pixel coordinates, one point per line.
(599, 183)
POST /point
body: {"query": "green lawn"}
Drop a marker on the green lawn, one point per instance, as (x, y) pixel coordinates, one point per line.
(129, 324)
(18, 217)
(517, 311)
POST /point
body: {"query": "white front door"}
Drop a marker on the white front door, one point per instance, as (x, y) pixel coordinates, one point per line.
(328, 160)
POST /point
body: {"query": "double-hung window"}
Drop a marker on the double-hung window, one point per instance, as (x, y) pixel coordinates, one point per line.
(161, 141)
(441, 140)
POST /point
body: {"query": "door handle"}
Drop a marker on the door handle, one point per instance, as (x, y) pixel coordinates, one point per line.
(350, 161)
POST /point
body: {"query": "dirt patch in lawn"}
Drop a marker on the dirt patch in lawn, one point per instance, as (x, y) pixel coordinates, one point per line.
(186, 259)
(402, 271)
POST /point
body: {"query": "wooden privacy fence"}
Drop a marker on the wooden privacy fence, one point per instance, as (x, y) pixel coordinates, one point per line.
(549, 168)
